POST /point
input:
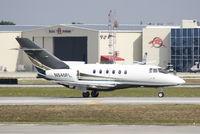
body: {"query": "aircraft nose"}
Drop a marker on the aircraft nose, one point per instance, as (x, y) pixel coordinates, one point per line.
(180, 81)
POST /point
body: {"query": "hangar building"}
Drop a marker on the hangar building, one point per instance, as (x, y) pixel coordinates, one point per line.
(179, 45)
(88, 43)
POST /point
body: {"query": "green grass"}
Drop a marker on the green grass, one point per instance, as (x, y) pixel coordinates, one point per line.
(130, 92)
(102, 114)
(39, 91)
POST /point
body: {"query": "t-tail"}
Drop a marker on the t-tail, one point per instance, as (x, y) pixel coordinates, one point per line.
(41, 59)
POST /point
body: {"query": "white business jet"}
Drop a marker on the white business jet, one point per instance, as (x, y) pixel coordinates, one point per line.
(97, 77)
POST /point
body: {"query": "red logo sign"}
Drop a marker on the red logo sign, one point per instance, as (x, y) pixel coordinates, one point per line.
(157, 43)
(59, 31)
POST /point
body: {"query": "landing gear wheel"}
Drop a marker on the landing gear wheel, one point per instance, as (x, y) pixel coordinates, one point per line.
(86, 94)
(161, 94)
(94, 94)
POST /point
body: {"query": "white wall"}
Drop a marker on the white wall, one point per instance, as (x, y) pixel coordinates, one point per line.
(157, 56)
(129, 45)
(8, 58)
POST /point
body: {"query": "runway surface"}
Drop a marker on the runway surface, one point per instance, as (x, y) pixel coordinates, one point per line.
(106, 100)
(56, 85)
(95, 129)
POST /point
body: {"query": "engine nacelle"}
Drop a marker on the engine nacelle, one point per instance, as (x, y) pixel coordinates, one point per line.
(62, 74)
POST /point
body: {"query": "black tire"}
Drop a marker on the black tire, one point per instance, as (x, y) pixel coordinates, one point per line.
(94, 94)
(86, 94)
(161, 94)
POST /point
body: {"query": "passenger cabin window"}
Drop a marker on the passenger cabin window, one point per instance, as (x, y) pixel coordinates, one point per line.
(113, 72)
(100, 71)
(107, 71)
(119, 71)
(94, 71)
(125, 72)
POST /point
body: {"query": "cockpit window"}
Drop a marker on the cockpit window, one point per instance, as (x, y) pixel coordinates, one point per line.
(163, 71)
(158, 70)
(150, 70)
(155, 70)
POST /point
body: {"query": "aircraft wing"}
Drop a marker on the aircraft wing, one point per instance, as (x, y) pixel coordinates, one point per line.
(91, 84)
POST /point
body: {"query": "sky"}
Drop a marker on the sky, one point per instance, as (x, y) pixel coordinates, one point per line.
(53, 12)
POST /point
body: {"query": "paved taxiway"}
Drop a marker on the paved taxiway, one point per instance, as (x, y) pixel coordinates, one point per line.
(95, 129)
(106, 100)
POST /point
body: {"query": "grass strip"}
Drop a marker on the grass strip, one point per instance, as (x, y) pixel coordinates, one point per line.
(130, 92)
(102, 114)
(36, 81)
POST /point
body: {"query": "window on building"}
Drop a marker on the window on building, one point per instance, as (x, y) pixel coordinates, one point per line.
(196, 41)
(185, 48)
(184, 42)
(178, 32)
(173, 32)
(173, 42)
(184, 32)
(190, 32)
(196, 51)
(196, 32)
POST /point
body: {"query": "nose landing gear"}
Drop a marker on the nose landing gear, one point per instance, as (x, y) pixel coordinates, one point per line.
(161, 93)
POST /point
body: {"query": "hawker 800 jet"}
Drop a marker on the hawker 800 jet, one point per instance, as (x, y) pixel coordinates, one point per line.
(97, 77)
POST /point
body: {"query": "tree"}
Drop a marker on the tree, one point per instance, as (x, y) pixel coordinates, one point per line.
(7, 23)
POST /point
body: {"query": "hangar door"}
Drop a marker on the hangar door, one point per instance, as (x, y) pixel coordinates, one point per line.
(70, 48)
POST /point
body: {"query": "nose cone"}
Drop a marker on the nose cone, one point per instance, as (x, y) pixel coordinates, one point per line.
(180, 81)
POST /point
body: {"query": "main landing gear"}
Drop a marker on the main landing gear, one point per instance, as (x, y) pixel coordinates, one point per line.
(86, 94)
(161, 93)
(93, 94)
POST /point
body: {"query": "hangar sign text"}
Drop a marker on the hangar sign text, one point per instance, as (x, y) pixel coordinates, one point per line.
(59, 31)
